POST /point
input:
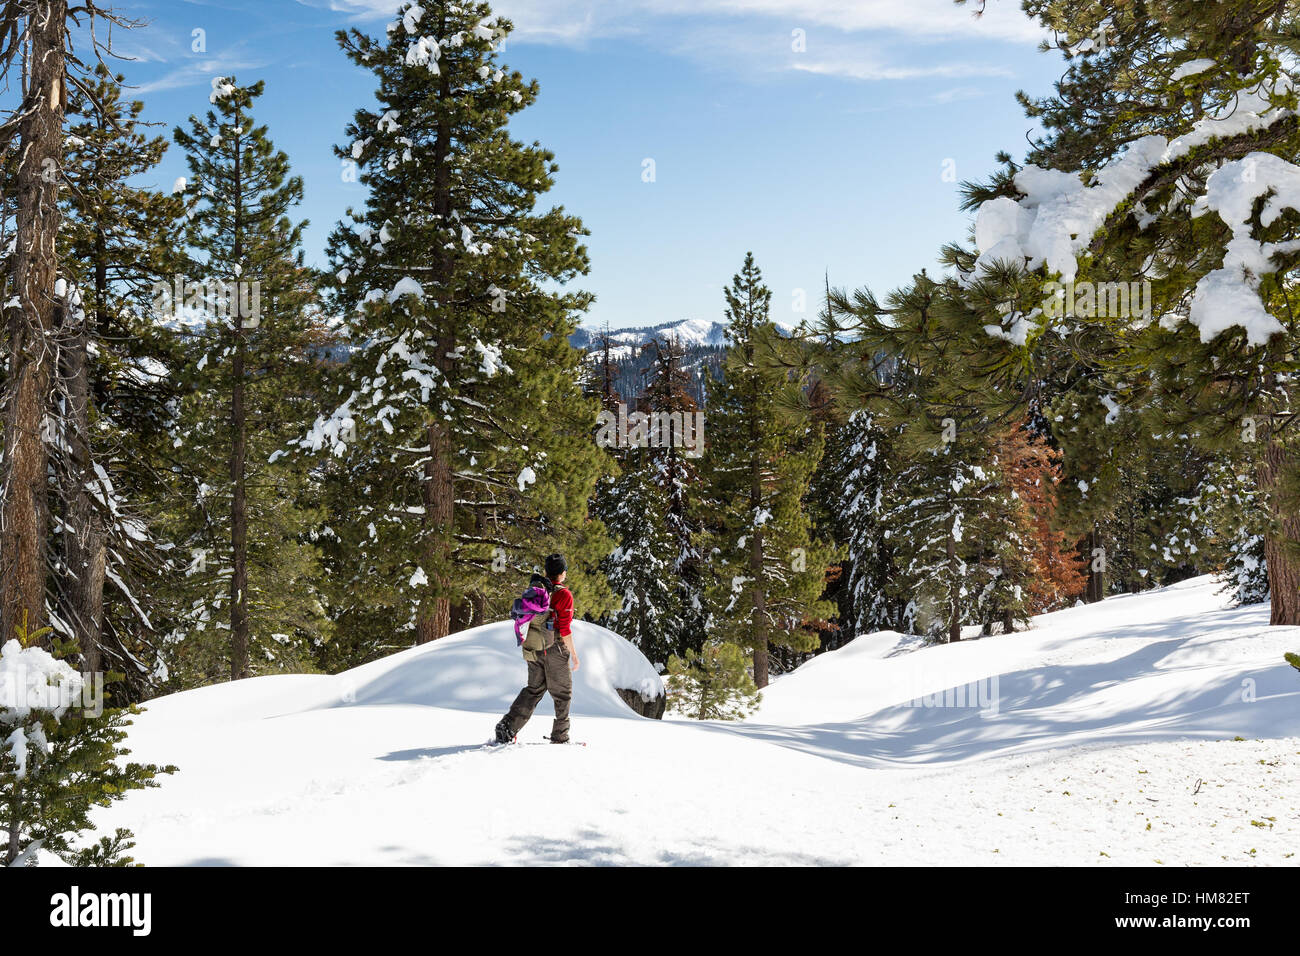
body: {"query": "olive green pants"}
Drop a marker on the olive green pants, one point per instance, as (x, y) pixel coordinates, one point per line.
(548, 674)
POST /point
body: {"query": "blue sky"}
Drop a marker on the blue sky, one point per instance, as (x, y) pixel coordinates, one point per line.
(827, 158)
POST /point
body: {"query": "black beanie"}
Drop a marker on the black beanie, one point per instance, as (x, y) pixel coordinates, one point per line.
(555, 565)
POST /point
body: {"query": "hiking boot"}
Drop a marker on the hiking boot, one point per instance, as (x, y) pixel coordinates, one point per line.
(502, 732)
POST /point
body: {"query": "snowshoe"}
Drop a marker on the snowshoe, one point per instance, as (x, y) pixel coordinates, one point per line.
(501, 733)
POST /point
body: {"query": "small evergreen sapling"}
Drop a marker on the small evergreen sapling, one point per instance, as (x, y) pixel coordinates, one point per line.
(58, 759)
(713, 684)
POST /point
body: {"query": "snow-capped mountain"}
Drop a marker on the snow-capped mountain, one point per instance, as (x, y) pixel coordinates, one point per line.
(689, 332)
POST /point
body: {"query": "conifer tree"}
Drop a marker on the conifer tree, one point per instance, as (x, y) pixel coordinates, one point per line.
(117, 242)
(651, 510)
(1221, 526)
(943, 508)
(640, 570)
(1057, 575)
(247, 569)
(458, 411)
(936, 502)
(769, 570)
(1174, 127)
(713, 683)
(856, 478)
(59, 758)
(675, 471)
(35, 35)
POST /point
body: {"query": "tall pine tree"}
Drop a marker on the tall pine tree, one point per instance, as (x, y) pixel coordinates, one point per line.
(245, 508)
(118, 240)
(459, 414)
(769, 569)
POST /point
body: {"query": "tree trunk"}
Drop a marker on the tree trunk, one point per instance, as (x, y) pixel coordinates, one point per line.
(15, 824)
(759, 619)
(84, 538)
(31, 346)
(238, 456)
(238, 517)
(1280, 549)
(954, 611)
(434, 620)
(1096, 590)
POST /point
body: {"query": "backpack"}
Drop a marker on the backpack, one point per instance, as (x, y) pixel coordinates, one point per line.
(532, 616)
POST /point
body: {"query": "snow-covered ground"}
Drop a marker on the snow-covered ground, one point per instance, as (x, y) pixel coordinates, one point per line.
(1162, 728)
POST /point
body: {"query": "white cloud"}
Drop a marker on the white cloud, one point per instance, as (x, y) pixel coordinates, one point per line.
(197, 73)
(867, 69)
(867, 40)
(1003, 19)
(578, 20)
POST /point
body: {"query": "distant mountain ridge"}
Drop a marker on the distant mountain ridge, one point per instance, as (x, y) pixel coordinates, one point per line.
(703, 343)
(690, 332)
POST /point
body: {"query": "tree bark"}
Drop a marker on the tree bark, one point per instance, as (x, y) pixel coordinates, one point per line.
(84, 538)
(1280, 548)
(759, 619)
(238, 517)
(15, 824)
(954, 611)
(239, 629)
(433, 620)
(1096, 590)
(23, 514)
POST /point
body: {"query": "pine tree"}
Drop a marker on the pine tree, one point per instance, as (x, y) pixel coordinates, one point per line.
(59, 759)
(247, 567)
(769, 570)
(848, 487)
(935, 500)
(603, 375)
(116, 244)
(640, 570)
(33, 129)
(1221, 526)
(651, 510)
(458, 413)
(1190, 109)
(674, 471)
(713, 683)
(940, 506)
(1057, 574)
(856, 478)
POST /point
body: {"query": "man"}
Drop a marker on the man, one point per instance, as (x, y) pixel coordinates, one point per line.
(550, 661)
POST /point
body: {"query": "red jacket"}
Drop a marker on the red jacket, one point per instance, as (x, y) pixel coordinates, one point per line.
(562, 606)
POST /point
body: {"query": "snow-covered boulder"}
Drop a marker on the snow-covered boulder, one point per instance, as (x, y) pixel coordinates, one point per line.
(482, 669)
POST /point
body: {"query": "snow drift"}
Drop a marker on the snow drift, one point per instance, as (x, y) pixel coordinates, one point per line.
(479, 670)
(1115, 737)
(1170, 663)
